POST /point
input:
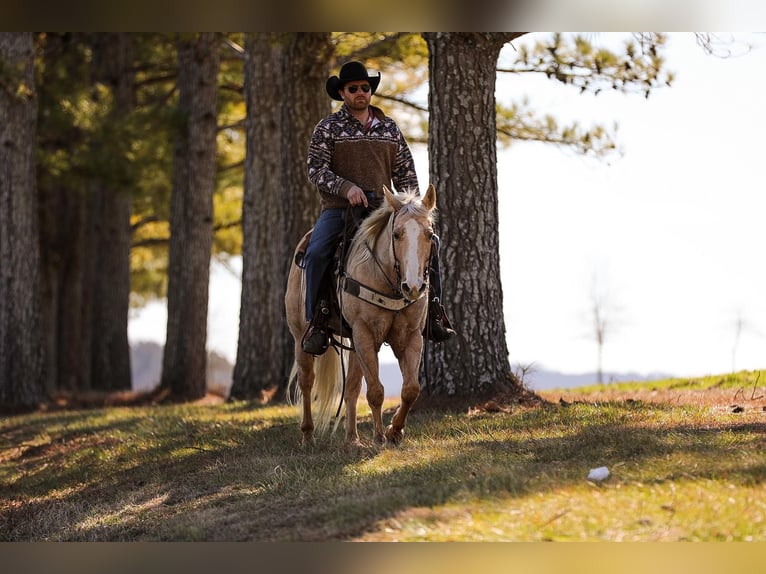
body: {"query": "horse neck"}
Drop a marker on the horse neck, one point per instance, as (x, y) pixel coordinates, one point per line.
(365, 269)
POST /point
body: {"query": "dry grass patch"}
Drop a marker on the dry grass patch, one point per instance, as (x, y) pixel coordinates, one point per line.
(680, 470)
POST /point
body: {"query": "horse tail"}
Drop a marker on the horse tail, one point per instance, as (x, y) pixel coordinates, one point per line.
(327, 390)
(293, 395)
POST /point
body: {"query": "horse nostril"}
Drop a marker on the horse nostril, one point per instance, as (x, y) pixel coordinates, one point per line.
(405, 287)
(423, 287)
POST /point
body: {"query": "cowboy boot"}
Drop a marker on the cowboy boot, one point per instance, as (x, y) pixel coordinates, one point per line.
(316, 339)
(438, 327)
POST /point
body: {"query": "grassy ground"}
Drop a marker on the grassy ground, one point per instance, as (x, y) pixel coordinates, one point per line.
(686, 460)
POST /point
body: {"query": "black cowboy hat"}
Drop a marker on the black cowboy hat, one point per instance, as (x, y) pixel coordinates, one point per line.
(350, 72)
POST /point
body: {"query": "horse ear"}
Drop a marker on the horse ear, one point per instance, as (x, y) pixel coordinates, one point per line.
(391, 199)
(430, 199)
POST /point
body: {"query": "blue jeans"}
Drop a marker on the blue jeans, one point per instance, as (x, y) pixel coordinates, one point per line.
(321, 248)
(322, 245)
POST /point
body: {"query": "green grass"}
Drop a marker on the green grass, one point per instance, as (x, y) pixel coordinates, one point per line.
(237, 472)
(744, 381)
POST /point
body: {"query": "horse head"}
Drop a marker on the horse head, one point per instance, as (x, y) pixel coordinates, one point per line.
(411, 233)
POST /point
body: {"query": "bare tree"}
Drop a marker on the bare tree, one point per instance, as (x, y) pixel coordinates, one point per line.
(604, 320)
(741, 326)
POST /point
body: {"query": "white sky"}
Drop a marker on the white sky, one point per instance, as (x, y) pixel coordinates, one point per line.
(671, 233)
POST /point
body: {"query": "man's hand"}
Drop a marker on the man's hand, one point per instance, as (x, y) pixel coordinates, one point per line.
(356, 196)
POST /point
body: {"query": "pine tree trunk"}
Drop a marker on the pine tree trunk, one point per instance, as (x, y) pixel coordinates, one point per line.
(306, 71)
(21, 352)
(110, 231)
(463, 167)
(191, 218)
(284, 84)
(261, 221)
(63, 221)
(74, 311)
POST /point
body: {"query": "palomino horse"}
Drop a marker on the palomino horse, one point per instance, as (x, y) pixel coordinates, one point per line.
(383, 299)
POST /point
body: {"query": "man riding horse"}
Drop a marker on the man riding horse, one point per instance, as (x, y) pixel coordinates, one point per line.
(353, 154)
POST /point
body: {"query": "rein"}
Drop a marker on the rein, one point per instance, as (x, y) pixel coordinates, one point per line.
(339, 343)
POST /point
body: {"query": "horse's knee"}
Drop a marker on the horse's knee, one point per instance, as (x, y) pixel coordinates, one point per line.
(375, 395)
(410, 393)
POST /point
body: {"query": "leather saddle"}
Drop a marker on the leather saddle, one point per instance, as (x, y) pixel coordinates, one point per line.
(330, 312)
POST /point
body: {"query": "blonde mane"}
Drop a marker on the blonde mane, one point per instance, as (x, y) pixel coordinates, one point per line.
(376, 223)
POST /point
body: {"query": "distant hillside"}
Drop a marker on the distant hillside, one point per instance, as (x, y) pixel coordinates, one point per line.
(146, 368)
(543, 380)
(145, 365)
(540, 380)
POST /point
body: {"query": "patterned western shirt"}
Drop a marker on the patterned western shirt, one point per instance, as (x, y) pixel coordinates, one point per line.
(342, 154)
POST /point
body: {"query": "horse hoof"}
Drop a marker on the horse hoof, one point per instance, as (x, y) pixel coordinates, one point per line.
(394, 437)
(308, 442)
(353, 445)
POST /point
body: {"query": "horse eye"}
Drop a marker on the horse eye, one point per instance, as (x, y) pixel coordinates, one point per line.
(397, 235)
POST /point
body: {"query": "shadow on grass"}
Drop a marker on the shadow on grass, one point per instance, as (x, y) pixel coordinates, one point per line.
(245, 479)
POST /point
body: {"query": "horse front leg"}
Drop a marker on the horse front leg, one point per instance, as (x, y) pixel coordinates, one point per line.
(367, 355)
(351, 397)
(409, 363)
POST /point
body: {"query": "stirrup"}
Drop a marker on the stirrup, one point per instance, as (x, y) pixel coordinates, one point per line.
(438, 327)
(315, 340)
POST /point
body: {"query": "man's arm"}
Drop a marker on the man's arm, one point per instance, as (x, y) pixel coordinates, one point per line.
(321, 148)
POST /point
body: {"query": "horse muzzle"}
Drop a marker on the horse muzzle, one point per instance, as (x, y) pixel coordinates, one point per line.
(413, 291)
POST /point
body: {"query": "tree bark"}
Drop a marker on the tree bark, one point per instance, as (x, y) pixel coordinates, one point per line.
(191, 218)
(63, 218)
(85, 212)
(284, 86)
(110, 208)
(21, 351)
(306, 71)
(261, 218)
(463, 167)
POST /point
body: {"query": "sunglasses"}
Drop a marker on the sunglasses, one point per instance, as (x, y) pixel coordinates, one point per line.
(352, 89)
